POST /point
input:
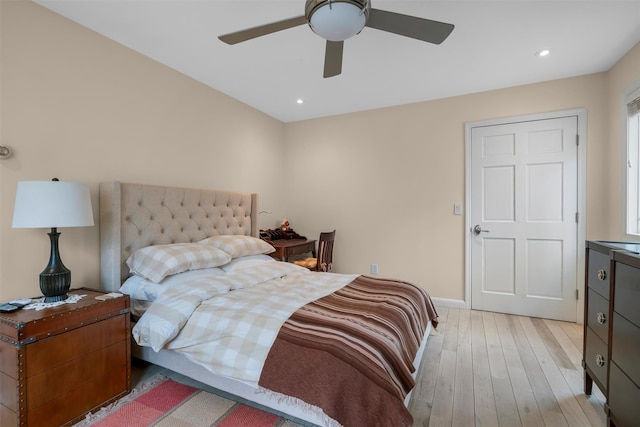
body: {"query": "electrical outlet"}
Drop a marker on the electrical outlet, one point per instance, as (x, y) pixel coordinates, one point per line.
(374, 269)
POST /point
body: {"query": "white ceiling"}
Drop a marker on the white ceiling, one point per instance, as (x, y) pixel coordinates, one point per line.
(492, 46)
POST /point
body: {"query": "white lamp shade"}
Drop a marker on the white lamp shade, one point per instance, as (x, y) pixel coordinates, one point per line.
(52, 204)
(338, 21)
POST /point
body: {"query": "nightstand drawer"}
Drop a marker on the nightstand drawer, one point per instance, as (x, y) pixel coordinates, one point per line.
(598, 275)
(596, 358)
(598, 315)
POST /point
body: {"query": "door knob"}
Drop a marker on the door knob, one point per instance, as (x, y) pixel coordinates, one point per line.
(477, 230)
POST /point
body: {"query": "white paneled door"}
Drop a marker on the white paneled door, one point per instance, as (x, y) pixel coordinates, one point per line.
(523, 216)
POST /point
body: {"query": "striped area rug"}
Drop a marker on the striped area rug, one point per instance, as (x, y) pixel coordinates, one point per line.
(164, 402)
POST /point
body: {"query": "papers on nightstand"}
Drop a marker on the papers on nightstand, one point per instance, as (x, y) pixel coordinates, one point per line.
(111, 295)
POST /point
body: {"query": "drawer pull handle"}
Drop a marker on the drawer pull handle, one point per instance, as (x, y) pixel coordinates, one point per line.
(599, 360)
(602, 274)
(601, 318)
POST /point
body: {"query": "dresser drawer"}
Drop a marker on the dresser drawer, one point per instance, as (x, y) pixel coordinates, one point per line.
(625, 350)
(598, 315)
(599, 274)
(623, 398)
(627, 295)
(595, 353)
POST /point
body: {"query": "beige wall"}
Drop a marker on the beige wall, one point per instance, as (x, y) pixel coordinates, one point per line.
(392, 176)
(80, 107)
(83, 108)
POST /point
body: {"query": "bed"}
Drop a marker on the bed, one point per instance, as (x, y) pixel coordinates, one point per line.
(146, 219)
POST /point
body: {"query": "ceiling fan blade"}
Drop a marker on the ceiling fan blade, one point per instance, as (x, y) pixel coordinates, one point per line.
(333, 58)
(409, 26)
(262, 30)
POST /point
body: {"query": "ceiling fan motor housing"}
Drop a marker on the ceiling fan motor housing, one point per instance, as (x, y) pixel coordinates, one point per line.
(337, 20)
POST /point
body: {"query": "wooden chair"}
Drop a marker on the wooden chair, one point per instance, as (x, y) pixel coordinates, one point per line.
(324, 255)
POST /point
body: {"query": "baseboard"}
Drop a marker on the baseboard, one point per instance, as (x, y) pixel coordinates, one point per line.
(451, 303)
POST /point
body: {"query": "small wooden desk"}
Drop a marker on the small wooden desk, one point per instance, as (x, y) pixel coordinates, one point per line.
(287, 248)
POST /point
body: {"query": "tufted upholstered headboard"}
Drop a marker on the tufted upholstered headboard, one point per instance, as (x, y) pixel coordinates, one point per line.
(133, 216)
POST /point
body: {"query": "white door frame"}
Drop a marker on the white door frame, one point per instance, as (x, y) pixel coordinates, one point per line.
(581, 114)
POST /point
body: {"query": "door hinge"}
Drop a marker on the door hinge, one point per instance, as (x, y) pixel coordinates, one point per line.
(577, 293)
(577, 217)
(577, 139)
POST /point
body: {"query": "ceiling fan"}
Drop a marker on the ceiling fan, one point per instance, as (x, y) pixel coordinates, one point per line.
(338, 20)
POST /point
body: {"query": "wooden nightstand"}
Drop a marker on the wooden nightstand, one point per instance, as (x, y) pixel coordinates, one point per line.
(59, 363)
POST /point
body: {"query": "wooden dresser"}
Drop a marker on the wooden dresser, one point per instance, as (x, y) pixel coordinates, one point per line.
(624, 370)
(59, 363)
(612, 327)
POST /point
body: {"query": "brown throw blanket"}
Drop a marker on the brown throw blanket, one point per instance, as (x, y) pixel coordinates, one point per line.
(351, 353)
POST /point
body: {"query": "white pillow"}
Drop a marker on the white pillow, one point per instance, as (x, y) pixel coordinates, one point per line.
(157, 262)
(139, 288)
(238, 245)
(246, 262)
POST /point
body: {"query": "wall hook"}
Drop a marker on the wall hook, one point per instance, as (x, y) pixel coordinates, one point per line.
(5, 152)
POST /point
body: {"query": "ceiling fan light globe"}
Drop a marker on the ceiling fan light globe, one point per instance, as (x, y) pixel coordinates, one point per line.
(337, 21)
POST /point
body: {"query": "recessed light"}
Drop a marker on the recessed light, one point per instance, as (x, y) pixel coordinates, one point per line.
(300, 101)
(543, 52)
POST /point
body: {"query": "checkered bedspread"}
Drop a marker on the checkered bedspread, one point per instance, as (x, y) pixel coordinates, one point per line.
(231, 333)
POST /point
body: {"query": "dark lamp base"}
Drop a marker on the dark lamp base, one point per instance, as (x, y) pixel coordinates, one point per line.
(55, 279)
(54, 286)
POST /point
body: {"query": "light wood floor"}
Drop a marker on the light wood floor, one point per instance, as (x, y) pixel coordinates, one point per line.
(491, 369)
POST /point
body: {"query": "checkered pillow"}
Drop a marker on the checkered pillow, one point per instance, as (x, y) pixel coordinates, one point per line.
(238, 245)
(157, 262)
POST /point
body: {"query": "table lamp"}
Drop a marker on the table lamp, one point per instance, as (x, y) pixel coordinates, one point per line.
(44, 204)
